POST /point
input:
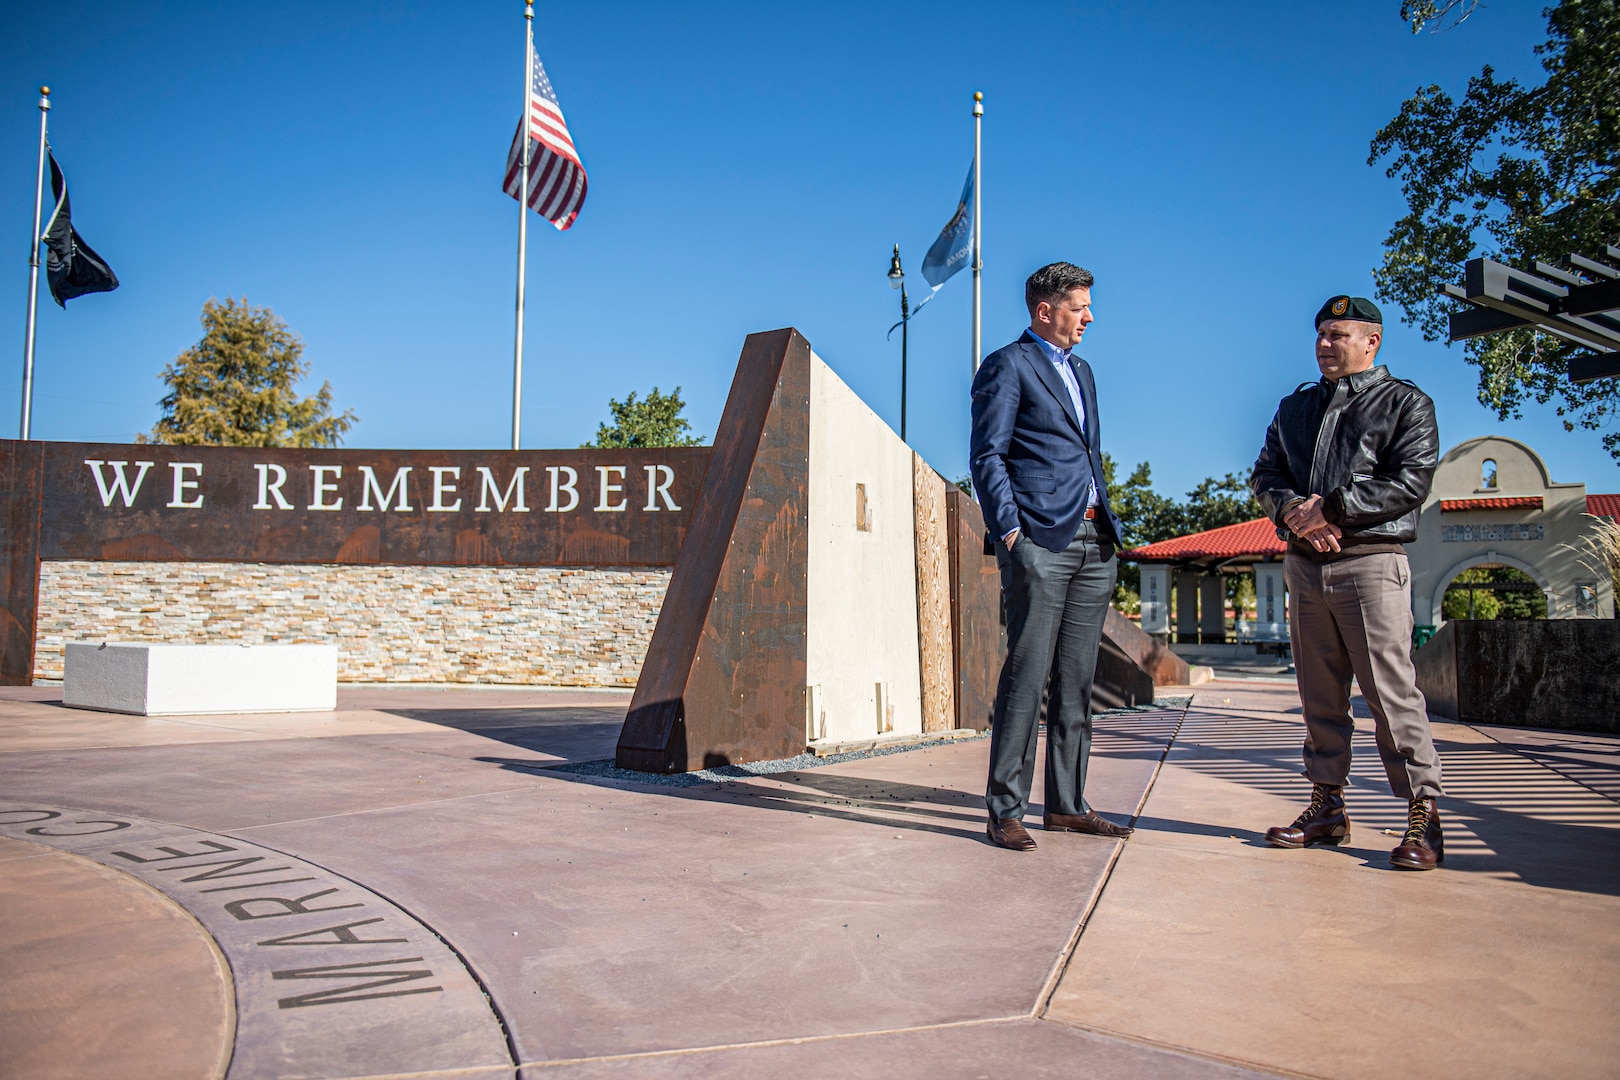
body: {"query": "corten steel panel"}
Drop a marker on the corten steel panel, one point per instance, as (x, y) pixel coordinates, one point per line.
(240, 520)
(723, 681)
(1143, 650)
(980, 640)
(1120, 680)
(1436, 666)
(1546, 673)
(19, 557)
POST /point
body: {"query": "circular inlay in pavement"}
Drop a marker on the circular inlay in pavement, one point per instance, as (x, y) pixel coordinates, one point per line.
(329, 978)
(105, 976)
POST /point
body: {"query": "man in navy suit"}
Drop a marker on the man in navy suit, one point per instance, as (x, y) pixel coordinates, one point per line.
(1037, 469)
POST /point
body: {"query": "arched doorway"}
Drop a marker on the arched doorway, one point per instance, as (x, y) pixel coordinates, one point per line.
(1492, 586)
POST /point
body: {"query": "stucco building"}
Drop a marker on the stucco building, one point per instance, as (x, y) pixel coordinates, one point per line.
(1493, 503)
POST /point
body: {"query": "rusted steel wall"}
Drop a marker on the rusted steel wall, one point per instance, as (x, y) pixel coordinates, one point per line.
(724, 679)
(1144, 652)
(979, 639)
(122, 502)
(401, 507)
(19, 557)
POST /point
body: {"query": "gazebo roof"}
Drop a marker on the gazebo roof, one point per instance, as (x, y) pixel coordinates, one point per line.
(1256, 539)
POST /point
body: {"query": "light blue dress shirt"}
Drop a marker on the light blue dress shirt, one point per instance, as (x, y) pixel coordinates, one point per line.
(1060, 360)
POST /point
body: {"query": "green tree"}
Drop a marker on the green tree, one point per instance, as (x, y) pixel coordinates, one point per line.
(1524, 601)
(1146, 515)
(655, 420)
(1515, 173)
(235, 386)
(1216, 503)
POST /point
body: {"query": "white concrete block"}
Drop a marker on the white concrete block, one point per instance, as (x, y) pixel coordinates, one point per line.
(181, 680)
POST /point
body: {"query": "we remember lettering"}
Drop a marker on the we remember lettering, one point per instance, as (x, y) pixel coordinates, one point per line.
(319, 487)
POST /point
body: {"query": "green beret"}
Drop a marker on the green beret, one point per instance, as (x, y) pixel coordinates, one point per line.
(1358, 308)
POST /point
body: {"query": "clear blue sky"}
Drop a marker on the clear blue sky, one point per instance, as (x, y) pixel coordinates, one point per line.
(750, 167)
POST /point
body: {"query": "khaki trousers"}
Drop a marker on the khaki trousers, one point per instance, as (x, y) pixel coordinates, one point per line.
(1354, 617)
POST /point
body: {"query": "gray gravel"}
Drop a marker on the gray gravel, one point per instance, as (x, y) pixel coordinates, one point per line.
(726, 773)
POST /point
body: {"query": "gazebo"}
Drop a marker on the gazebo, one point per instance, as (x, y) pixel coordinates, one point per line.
(1198, 563)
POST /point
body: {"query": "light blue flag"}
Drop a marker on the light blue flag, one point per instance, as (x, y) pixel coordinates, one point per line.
(953, 248)
(955, 244)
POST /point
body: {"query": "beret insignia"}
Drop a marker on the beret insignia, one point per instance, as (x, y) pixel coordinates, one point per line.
(1358, 308)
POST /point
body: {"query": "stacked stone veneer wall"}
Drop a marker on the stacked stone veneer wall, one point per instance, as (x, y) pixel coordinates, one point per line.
(418, 624)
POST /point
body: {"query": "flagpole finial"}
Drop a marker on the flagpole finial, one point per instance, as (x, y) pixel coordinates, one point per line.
(978, 103)
(44, 99)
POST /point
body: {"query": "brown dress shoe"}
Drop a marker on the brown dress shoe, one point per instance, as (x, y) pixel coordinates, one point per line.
(1010, 834)
(1323, 822)
(1088, 822)
(1422, 848)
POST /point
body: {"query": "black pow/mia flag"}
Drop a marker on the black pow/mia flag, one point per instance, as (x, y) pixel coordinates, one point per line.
(72, 268)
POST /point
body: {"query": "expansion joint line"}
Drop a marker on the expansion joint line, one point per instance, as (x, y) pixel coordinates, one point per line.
(1043, 1000)
(1186, 1051)
(843, 1036)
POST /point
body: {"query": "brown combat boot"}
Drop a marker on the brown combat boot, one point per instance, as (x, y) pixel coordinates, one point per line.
(1423, 847)
(1323, 822)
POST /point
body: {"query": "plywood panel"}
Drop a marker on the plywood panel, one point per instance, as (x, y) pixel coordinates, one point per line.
(934, 636)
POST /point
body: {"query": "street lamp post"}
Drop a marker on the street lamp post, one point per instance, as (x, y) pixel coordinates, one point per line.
(897, 280)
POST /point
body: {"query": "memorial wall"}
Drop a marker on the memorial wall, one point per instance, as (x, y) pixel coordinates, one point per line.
(543, 567)
(807, 581)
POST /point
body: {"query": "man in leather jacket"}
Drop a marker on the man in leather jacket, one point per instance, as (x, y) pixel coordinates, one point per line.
(1344, 471)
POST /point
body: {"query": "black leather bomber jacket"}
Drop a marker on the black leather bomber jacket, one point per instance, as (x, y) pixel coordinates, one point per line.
(1368, 444)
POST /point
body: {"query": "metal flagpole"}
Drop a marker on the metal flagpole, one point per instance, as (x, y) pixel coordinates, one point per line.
(33, 271)
(523, 220)
(978, 226)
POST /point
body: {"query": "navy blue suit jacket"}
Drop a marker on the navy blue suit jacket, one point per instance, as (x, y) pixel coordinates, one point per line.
(1032, 464)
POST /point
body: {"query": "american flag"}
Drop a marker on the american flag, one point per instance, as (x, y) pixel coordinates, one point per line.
(556, 176)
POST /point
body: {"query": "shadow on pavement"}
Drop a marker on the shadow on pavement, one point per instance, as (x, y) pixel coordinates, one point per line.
(1521, 811)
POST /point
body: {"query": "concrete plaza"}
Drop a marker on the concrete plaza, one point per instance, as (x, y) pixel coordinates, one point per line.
(425, 883)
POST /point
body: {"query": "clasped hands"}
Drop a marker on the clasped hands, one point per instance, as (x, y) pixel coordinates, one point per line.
(1304, 519)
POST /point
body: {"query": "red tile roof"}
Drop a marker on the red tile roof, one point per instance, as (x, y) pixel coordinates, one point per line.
(1257, 537)
(1500, 502)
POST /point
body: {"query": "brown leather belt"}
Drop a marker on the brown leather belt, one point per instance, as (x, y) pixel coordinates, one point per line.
(1091, 513)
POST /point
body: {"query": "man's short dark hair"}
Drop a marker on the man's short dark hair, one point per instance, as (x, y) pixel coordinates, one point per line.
(1054, 282)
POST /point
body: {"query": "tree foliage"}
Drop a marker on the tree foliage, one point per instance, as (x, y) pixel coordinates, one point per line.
(1149, 517)
(1461, 602)
(1514, 173)
(655, 420)
(1443, 14)
(235, 386)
